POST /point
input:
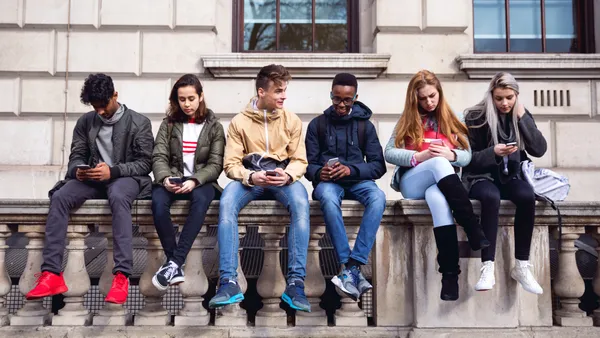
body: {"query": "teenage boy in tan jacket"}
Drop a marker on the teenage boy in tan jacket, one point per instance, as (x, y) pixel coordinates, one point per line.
(265, 156)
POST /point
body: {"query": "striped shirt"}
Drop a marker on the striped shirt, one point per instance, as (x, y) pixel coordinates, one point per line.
(191, 133)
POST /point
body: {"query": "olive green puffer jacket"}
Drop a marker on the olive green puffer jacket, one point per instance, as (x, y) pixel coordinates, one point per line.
(167, 157)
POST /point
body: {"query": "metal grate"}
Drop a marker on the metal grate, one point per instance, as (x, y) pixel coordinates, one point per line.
(552, 98)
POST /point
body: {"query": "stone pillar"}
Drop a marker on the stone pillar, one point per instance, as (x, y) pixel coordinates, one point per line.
(111, 314)
(153, 313)
(234, 315)
(33, 312)
(350, 314)
(77, 280)
(314, 283)
(5, 283)
(271, 282)
(596, 281)
(569, 285)
(194, 287)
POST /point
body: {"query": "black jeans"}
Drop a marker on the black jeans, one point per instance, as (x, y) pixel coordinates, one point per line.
(121, 193)
(521, 194)
(162, 199)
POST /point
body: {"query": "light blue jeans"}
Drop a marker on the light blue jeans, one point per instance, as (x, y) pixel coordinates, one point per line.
(330, 195)
(235, 197)
(421, 182)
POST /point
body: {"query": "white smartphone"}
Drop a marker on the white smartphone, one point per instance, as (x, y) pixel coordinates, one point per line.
(332, 161)
(437, 141)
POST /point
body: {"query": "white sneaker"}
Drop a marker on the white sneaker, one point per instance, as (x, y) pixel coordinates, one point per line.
(523, 275)
(487, 279)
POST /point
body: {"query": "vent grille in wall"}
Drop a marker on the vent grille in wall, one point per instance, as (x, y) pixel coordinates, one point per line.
(552, 98)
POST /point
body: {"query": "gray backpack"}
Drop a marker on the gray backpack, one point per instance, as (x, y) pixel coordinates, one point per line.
(548, 186)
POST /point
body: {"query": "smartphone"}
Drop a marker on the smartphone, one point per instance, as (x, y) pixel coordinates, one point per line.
(511, 144)
(437, 141)
(83, 167)
(332, 161)
(176, 180)
(272, 173)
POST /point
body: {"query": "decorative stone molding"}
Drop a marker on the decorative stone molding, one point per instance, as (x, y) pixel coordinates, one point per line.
(247, 65)
(531, 66)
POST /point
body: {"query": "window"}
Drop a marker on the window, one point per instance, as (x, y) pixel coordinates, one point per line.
(533, 26)
(296, 25)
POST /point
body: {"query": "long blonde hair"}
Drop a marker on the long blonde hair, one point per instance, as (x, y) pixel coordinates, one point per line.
(410, 126)
(486, 106)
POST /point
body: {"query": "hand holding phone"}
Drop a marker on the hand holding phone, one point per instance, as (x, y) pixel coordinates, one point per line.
(333, 161)
(176, 180)
(272, 173)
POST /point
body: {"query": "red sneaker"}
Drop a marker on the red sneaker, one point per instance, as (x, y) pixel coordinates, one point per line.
(48, 284)
(119, 289)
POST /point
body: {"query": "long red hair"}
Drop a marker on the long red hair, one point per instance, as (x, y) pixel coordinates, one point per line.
(410, 126)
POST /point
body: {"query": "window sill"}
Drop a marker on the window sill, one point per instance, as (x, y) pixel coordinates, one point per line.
(305, 65)
(531, 66)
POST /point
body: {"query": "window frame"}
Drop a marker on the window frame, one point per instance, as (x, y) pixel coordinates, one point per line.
(352, 29)
(584, 29)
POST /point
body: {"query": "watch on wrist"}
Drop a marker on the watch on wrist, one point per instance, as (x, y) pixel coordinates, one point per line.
(250, 179)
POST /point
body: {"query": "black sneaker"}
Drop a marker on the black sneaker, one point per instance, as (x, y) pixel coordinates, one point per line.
(162, 278)
(178, 277)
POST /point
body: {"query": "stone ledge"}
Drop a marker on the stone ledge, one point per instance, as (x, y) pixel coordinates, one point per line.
(308, 65)
(211, 331)
(531, 66)
(33, 212)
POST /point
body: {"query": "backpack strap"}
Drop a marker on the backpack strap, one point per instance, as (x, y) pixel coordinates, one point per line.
(555, 207)
(362, 140)
(321, 133)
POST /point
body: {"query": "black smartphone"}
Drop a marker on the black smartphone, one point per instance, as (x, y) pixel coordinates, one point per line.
(83, 167)
(272, 173)
(176, 180)
(510, 144)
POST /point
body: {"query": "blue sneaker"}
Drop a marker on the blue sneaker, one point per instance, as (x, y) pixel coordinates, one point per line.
(229, 292)
(294, 296)
(347, 282)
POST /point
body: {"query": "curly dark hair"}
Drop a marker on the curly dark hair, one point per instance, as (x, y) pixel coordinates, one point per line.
(97, 89)
(276, 73)
(174, 113)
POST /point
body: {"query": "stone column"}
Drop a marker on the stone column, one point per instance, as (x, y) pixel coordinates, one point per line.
(314, 283)
(33, 312)
(194, 287)
(234, 315)
(5, 283)
(569, 285)
(271, 282)
(111, 314)
(77, 280)
(153, 313)
(350, 314)
(596, 281)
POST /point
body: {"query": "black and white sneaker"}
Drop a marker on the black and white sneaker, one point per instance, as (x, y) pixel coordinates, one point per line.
(178, 277)
(164, 276)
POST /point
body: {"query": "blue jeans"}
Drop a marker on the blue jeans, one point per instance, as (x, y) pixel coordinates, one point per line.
(235, 197)
(330, 196)
(421, 182)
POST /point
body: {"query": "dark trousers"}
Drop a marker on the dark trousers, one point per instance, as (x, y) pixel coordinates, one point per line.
(521, 194)
(162, 199)
(121, 193)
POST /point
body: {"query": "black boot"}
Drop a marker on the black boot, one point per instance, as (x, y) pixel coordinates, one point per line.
(462, 210)
(447, 243)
